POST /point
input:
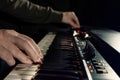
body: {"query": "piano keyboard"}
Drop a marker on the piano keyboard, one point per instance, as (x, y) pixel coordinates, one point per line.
(66, 57)
(26, 71)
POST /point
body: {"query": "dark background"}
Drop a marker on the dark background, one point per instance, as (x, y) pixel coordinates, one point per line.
(103, 13)
(94, 13)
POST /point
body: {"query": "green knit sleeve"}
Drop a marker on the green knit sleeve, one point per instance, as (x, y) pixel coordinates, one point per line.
(30, 12)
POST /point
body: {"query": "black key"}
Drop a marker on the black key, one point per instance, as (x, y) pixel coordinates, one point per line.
(55, 77)
(58, 72)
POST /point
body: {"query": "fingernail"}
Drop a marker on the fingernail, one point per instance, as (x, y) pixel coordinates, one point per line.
(38, 59)
(38, 62)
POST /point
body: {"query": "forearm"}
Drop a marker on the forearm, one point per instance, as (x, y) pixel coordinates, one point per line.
(30, 12)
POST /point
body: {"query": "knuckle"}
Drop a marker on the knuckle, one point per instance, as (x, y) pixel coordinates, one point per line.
(25, 43)
(9, 32)
(30, 39)
(5, 32)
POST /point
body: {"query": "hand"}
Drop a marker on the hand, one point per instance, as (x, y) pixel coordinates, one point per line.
(15, 45)
(71, 19)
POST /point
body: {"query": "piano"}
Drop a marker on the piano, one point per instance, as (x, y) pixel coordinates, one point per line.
(72, 55)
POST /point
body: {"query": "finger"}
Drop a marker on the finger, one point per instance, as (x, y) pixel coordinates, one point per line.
(37, 49)
(26, 46)
(75, 19)
(17, 53)
(6, 56)
(72, 24)
(77, 23)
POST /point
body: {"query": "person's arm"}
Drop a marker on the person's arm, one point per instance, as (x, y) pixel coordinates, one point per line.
(30, 12)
